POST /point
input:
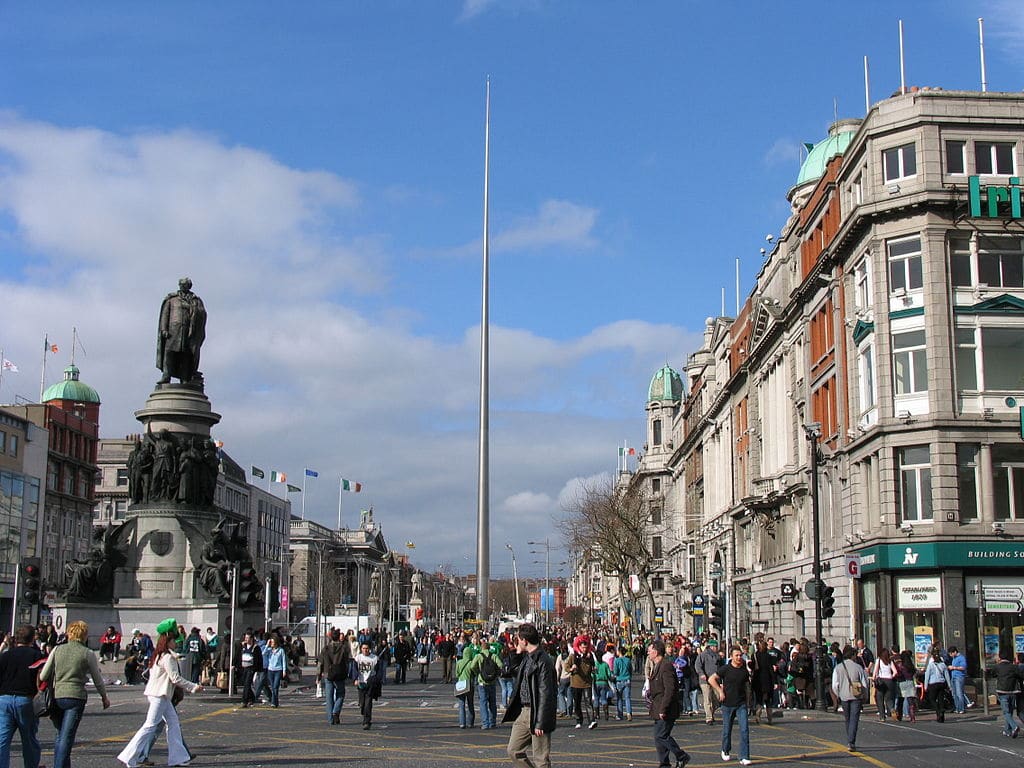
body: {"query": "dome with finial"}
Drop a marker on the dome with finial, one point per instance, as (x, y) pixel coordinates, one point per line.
(666, 384)
(71, 389)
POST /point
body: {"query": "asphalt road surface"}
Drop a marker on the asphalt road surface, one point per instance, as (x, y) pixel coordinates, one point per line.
(416, 726)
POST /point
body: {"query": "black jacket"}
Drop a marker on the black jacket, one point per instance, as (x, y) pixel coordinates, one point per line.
(664, 692)
(257, 656)
(334, 661)
(539, 670)
(1008, 677)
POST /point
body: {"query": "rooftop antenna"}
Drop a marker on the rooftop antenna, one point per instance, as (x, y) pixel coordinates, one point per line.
(981, 46)
(903, 77)
(835, 109)
(867, 88)
(723, 302)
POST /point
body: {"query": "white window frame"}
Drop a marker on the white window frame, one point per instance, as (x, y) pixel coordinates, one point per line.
(862, 294)
(962, 145)
(922, 502)
(993, 158)
(867, 380)
(905, 262)
(901, 162)
(912, 352)
(959, 353)
(1014, 475)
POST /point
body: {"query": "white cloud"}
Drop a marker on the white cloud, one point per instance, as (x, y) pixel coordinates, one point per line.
(105, 226)
(785, 151)
(560, 223)
(473, 8)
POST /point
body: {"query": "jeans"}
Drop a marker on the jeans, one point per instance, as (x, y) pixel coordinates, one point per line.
(16, 714)
(564, 697)
(738, 714)
(602, 697)
(959, 697)
(623, 703)
(488, 704)
(507, 684)
(663, 742)
(160, 710)
(446, 669)
(467, 714)
(851, 714)
(334, 698)
(1007, 702)
(694, 695)
(71, 715)
(274, 680)
(937, 694)
(366, 704)
(884, 695)
(248, 673)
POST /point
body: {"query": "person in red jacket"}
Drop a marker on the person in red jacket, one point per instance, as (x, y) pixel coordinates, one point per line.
(110, 644)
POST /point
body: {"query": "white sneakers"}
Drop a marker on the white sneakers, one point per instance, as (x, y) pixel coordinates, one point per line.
(726, 756)
(744, 761)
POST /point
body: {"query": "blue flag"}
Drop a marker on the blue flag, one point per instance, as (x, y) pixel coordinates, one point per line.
(312, 473)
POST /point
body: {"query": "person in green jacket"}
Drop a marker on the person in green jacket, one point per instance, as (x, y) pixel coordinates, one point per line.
(623, 672)
(603, 678)
(66, 668)
(467, 714)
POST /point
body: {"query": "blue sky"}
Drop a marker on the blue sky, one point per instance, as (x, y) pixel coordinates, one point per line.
(317, 170)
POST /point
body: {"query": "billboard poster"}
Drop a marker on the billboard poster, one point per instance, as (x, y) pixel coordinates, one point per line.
(924, 637)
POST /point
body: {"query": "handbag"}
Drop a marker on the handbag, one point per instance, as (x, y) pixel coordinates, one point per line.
(222, 680)
(461, 688)
(856, 688)
(43, 704)
(908, 689)
(421, 660)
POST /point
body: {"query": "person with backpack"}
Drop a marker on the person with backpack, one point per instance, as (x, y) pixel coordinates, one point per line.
(333, 671)
(486, 671)
(603, 680)
(581, 679)
(195, 654)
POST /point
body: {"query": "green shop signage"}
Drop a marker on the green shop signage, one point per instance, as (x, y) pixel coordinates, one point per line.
(964, 554)
(996, 196)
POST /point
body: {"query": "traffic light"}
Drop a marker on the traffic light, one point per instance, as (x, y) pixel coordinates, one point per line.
(716, 617)
(828, 602)
(31, 581)
(249, 586)
(273, 593)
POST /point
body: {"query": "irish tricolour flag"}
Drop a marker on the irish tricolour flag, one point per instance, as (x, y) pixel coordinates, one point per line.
(348, 485)
(278, 477)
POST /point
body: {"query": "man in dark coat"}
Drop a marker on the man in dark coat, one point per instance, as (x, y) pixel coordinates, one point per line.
(664, 706)
(533, 706)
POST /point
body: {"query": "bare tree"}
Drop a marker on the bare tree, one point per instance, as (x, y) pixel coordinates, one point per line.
(610, 521)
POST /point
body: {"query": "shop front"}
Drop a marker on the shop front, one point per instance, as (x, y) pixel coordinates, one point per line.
(915, 594)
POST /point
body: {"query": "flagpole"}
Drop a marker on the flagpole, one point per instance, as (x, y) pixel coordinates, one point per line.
(42, 376)
(340, 479)
(303, 513)
(483, 544)
(2, 358)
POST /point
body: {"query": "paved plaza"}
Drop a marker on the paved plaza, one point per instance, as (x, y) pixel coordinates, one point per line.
(416, 726)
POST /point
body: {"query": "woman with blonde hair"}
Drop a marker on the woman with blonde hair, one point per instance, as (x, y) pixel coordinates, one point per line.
(164, 676)
(67, 667)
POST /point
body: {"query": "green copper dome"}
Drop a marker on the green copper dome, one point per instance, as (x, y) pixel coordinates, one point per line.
(840, 135)
(71, 389)
(666, 384)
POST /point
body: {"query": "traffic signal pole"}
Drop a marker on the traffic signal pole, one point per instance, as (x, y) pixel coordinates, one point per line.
(14, 601)
(813, 433)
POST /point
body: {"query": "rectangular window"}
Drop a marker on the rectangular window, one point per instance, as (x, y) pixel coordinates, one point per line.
(657, 584)
(967, 480)
(655, 485)
(3, 442)
(1002, 358)
(995, 157)
(910, 362)
(862, 283)
(960, 260)
(122, 477)
(12, 445)
(1001, 261)
(866, 369)
(956, 157)
(857, 190)
(905, 264)
(1008, 481)
(656, 432)
(915, 483)
(899, 162)
(966, 360)
(656, 547)
(656, 514)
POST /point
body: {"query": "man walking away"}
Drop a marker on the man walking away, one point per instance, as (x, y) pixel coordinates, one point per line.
(664, 693)
(333, 672)
(850, 682)
(1008, 681)
(19, 668)
(531, 710)
(732, 684)
(707, 665)
(446, 650)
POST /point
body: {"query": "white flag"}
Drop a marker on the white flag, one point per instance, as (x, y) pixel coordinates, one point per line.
(9, 366)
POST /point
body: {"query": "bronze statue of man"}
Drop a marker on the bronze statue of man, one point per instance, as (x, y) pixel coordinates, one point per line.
(181, 333)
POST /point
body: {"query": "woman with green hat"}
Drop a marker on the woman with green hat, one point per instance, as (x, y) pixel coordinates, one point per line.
(164, 676)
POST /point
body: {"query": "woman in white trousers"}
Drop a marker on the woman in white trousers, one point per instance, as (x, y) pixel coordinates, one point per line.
(164, 676)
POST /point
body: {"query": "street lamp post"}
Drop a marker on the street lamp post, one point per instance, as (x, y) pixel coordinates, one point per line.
(813, 433)
(394, 599)
(547, 577)
(515, 581)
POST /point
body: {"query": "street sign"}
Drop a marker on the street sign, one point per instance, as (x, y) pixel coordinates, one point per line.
(1003, 593)
(788, 592)
(698, 605)
(1003, 606)
(852, 566)
(284, 598)
(813, 588)
(659, 615)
